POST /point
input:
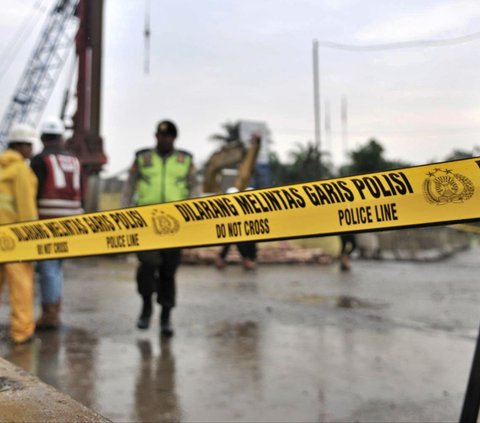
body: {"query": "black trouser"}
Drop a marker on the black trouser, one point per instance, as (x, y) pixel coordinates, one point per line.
(349, 244)
(247, 250)
(159, 278)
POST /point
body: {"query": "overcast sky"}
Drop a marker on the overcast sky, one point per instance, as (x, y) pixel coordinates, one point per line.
(213, 61)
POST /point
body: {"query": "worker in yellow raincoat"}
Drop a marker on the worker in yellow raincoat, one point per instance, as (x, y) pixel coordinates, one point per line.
(18, 190)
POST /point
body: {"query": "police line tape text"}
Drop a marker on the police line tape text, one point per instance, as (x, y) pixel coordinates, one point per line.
(246, 228)
(367, 214)
(52, 247)
(122, 241)
(386, 185)
(80, 225)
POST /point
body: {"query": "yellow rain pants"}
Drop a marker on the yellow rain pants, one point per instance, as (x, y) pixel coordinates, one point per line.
(19, 277)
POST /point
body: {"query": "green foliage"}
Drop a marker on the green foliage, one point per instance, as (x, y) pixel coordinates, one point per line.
(305, 164)
(369, 158)
(231, 133)
(459, 154)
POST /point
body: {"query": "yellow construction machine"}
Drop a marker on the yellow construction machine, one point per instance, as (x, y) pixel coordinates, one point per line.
(234, 155)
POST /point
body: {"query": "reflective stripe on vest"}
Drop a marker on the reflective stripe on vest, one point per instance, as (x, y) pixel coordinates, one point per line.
(7, 202)
(60, 194)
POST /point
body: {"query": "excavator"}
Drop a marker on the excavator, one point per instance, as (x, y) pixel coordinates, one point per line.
(239, 155)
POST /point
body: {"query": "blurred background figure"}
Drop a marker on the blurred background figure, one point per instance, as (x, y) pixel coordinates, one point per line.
(349, 244)
(247, 250)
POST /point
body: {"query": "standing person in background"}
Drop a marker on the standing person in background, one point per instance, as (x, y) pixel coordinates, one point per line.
(159, 175)
(59, 195)
(247, 250)
(18, 188)
(349, 244)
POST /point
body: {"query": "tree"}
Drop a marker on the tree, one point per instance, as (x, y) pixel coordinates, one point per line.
(231, 133)
(459, 154)
(369, 158)
(306, 164)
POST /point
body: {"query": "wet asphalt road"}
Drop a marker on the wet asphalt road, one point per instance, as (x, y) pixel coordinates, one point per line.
(388, 341)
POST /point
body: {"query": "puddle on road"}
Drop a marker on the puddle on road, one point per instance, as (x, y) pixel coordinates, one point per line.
(247, 329)
(340, 301)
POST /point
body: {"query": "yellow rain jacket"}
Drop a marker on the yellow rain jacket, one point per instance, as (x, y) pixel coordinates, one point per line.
(18, 192)
(18, 189)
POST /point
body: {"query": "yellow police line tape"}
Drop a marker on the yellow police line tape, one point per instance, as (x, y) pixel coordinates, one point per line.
(441, 193)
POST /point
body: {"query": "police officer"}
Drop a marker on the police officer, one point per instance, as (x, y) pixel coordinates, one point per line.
(159, 175)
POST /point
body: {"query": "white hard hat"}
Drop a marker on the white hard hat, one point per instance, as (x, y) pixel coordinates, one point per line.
(231, 190)
(53, 125)
(22, 132)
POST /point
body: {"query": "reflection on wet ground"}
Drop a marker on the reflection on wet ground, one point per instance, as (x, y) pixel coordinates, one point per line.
(155, 392)
(289, 343)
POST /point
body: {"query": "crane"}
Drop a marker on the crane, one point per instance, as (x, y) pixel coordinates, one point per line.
(69, 21)
(41, 72)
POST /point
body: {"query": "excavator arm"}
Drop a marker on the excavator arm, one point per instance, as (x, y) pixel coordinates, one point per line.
(233, 154)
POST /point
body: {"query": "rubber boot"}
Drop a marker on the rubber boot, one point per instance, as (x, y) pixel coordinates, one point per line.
(50, 318)
(166, 328)
(143, 321)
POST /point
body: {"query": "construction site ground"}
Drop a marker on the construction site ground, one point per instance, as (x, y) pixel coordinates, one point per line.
(387, 341)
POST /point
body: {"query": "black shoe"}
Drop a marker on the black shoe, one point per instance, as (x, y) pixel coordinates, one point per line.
(143, 321)
(166, 328)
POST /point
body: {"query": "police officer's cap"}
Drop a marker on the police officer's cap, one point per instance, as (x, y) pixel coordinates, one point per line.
(167, 127)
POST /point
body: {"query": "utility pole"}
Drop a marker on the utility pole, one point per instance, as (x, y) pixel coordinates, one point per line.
(146, 33)
(316, 103)
(328, 128)
(344, 118)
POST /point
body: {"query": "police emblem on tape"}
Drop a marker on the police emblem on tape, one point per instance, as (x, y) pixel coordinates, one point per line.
(7, 243)
(442, 186)
(164, 224)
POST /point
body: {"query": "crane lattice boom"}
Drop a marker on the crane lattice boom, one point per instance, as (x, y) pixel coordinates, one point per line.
(43, 68)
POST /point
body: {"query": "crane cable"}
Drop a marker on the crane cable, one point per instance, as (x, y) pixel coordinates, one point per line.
(146, 33)
(14, 46)
(402, 44)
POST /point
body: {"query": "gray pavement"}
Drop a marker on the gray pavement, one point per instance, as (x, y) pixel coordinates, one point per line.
(388, 341)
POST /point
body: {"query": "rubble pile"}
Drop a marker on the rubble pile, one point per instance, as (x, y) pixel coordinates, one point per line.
(281, 252)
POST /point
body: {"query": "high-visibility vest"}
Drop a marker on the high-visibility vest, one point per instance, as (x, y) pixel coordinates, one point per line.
(162, 179)
(60, 194)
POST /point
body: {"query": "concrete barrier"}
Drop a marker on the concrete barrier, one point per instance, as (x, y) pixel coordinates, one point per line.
(420, 244)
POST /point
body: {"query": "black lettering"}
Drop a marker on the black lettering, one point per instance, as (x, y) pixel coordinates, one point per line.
(244, 204)
(300, 201)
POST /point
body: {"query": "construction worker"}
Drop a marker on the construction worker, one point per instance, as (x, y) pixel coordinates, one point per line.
(158, 175)
(247, 250)
(18, 188)
(59, 195)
